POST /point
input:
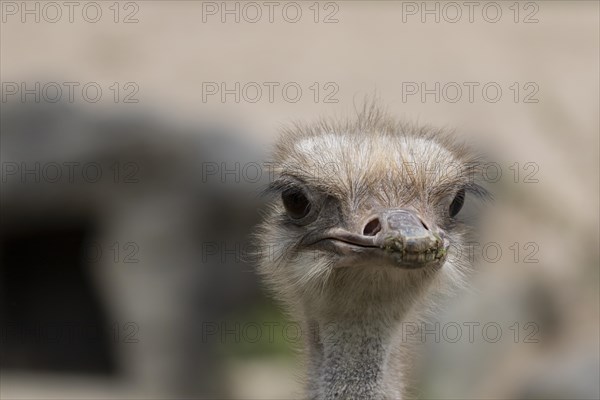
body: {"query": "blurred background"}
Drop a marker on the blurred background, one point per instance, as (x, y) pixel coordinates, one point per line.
(134, 144)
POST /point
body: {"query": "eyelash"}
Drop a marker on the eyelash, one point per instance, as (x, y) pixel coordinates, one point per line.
(477, 191)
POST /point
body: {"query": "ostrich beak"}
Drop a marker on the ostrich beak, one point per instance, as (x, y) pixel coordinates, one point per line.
(398, 237)
(410, 240)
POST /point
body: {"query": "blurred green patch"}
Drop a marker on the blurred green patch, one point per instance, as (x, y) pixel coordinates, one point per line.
(259, 330)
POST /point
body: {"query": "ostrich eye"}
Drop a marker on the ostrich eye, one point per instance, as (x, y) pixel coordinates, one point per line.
(457, 203)
(296, 203)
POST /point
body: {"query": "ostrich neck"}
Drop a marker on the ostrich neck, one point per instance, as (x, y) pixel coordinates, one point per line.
(349, 358)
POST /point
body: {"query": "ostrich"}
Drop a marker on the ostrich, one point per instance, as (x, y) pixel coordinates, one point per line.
(364, 220)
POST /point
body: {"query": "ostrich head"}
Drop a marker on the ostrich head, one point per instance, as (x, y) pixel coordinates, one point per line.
(367, 213)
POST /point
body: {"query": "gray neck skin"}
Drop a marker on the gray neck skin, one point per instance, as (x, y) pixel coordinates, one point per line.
(349, 358)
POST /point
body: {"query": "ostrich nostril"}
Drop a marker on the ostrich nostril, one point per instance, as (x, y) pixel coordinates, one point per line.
(423, 223)
(372, 228)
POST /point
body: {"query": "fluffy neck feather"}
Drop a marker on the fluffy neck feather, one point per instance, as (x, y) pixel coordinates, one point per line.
(355, 335)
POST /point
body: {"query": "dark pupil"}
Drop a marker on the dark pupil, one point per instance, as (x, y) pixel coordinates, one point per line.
(295, 202)
(457, 203)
